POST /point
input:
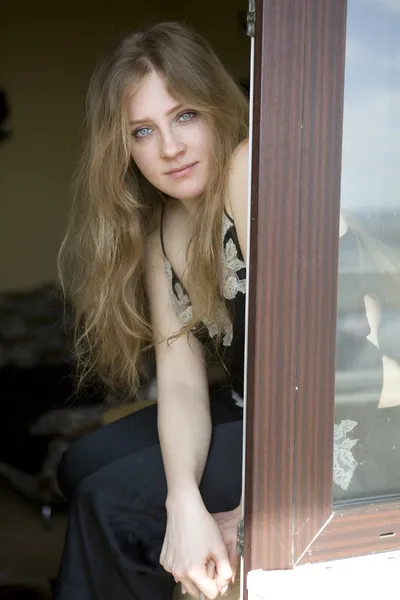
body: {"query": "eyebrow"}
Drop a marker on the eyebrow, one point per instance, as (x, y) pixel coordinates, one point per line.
(147, 119)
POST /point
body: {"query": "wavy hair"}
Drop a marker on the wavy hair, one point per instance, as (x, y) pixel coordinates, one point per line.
(114, 210)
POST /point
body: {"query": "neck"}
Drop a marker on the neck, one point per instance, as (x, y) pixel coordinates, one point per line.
(188, 204)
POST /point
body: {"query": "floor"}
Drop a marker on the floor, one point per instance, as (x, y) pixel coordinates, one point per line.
(30, 547)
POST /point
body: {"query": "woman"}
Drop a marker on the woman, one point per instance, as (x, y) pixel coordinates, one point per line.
(155, 255)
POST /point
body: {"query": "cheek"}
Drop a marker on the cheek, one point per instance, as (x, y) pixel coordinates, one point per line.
(196, 136)
(205, 140)
(145, 160)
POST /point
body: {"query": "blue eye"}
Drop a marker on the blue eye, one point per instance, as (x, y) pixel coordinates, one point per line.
(142, 132)
(187, 116)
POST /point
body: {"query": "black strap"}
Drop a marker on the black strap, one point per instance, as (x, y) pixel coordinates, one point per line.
(162, 230)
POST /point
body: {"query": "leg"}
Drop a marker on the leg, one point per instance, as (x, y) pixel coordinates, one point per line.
(132, 434)
(117, 518)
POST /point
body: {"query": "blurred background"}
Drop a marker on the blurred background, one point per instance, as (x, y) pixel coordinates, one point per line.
(47, 53)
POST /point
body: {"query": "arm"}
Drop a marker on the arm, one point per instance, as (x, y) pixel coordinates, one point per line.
(184, 425)
(183, 403)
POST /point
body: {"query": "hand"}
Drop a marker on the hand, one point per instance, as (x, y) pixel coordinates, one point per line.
(192, 540)
(227, 523)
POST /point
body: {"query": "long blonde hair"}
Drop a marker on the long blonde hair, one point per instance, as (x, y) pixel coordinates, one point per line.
(115, 208)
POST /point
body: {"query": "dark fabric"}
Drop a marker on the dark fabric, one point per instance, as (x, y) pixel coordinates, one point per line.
(115, 481)
(233, 355)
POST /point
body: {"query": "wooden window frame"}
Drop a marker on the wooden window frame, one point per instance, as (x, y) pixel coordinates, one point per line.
(296, 174)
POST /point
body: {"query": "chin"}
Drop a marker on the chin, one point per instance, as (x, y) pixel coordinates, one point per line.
(188, 192)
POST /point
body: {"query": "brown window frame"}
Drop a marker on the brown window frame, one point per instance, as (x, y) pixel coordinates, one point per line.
(296, 173)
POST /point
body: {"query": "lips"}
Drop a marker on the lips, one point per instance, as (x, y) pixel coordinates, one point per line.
(182, 172)
(181, 169)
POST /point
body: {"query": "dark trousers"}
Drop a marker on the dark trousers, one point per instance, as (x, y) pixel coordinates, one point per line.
(115, 482)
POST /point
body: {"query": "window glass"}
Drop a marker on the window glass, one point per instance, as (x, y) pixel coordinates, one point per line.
(367, 395)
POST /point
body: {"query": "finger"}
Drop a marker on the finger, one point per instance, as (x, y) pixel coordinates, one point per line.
(211, 569)
(183, 590)
(234, 560)
(224, 569)
(204, 583)
(190, 587)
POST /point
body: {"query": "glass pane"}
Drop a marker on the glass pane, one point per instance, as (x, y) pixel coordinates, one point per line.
(367, 399)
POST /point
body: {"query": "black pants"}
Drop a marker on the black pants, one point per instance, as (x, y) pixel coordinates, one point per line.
(115, 482)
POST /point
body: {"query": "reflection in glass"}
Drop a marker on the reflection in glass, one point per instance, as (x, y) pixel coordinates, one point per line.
(367, 398)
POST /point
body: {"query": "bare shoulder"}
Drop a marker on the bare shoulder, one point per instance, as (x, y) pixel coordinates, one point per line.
(237, 200)
(240, 157)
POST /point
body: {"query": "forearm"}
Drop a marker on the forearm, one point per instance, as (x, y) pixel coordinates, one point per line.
(184, 426)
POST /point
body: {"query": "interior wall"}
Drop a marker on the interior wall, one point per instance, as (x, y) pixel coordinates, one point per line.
(46, 59)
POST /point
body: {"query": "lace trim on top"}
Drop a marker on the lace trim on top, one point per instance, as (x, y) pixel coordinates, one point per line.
(344, 463)
(233, 283)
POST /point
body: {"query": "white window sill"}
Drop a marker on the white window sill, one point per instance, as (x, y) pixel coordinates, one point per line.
(363, 578)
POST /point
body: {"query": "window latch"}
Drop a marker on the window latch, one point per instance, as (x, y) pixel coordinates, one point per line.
(251, 18)
(240, 538)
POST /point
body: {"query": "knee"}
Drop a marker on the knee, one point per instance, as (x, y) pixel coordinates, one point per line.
(90, 496)
(65, 475)
(73, 468)
(78, 462)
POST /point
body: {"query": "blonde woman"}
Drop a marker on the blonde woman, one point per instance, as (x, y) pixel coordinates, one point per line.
(155, 255)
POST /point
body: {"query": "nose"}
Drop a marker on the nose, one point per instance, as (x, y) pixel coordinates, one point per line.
(171, 145)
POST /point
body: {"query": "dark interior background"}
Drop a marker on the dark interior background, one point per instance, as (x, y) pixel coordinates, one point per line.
(47, 53)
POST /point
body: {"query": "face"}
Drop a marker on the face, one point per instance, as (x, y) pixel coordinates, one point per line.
(171, 143)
